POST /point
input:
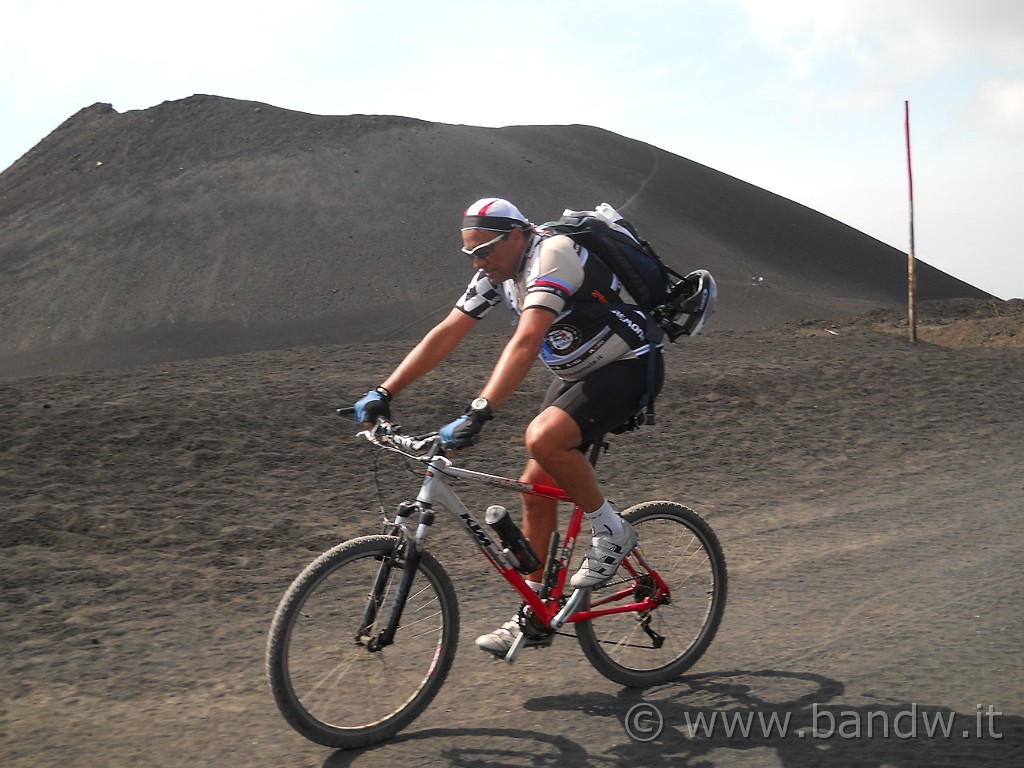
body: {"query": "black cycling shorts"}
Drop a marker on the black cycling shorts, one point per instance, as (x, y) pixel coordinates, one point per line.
(606, 398)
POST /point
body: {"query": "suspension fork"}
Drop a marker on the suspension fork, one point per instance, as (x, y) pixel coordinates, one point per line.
(387, 562)
(409, 566)
(408, 550)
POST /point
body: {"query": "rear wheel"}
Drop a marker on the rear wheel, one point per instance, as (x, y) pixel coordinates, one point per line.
(655, 646)
(329, 679)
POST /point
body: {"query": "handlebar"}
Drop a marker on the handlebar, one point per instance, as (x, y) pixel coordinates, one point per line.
(388, 435)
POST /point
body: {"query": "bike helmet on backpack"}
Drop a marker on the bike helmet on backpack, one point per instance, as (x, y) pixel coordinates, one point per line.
(692, 302)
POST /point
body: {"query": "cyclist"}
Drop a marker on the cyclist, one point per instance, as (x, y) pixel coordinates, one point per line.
(598, 354)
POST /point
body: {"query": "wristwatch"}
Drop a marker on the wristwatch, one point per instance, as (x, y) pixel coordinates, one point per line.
(481, 405)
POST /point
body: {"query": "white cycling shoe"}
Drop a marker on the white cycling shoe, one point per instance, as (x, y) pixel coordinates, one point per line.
(500, 641)
(604, 557)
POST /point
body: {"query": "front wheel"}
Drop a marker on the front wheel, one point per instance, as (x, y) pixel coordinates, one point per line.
(331, 679)
(656, 646)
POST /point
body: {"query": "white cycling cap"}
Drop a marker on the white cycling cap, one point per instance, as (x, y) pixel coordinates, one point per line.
(495, 215)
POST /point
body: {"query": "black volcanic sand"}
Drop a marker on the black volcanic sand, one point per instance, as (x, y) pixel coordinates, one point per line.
(868, 495)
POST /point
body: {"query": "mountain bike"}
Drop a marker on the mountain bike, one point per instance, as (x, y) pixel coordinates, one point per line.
(365, 636)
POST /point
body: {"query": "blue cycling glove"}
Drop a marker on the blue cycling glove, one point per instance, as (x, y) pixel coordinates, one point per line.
(465, 430)
(373, 405)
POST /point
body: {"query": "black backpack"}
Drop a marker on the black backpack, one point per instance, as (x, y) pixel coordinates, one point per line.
(622, 250)
(675, 302)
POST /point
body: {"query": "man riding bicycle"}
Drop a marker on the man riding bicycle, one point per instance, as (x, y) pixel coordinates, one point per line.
(571, 313)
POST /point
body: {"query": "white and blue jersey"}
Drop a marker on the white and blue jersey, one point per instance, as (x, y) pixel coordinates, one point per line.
(596, 320)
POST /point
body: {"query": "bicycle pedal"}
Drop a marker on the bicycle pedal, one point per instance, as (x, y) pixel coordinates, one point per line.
(515, 648)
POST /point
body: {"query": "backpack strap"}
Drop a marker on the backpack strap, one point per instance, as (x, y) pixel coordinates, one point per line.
(654, 335)
(652, 371)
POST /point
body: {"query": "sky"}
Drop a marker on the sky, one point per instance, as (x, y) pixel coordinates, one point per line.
(804, 98)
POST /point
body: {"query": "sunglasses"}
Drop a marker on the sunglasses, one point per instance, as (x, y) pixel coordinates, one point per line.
(484, 250)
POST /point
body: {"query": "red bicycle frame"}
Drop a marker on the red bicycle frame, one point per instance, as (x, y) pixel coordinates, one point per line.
(550, 612)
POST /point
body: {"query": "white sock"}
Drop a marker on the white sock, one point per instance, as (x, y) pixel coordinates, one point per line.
(605, 519)
(536, 586)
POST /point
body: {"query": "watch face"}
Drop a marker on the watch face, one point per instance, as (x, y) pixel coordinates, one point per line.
(480, 404)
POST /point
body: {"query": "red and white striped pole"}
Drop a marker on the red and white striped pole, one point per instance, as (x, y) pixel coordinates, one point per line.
(911, 272)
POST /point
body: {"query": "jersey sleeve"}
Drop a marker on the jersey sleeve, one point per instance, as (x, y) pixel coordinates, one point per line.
(481, 294)
(555, 275)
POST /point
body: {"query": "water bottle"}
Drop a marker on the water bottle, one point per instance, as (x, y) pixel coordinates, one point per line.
(517, 547)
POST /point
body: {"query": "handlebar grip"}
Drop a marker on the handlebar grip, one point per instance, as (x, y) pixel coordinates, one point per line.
(349, 411)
